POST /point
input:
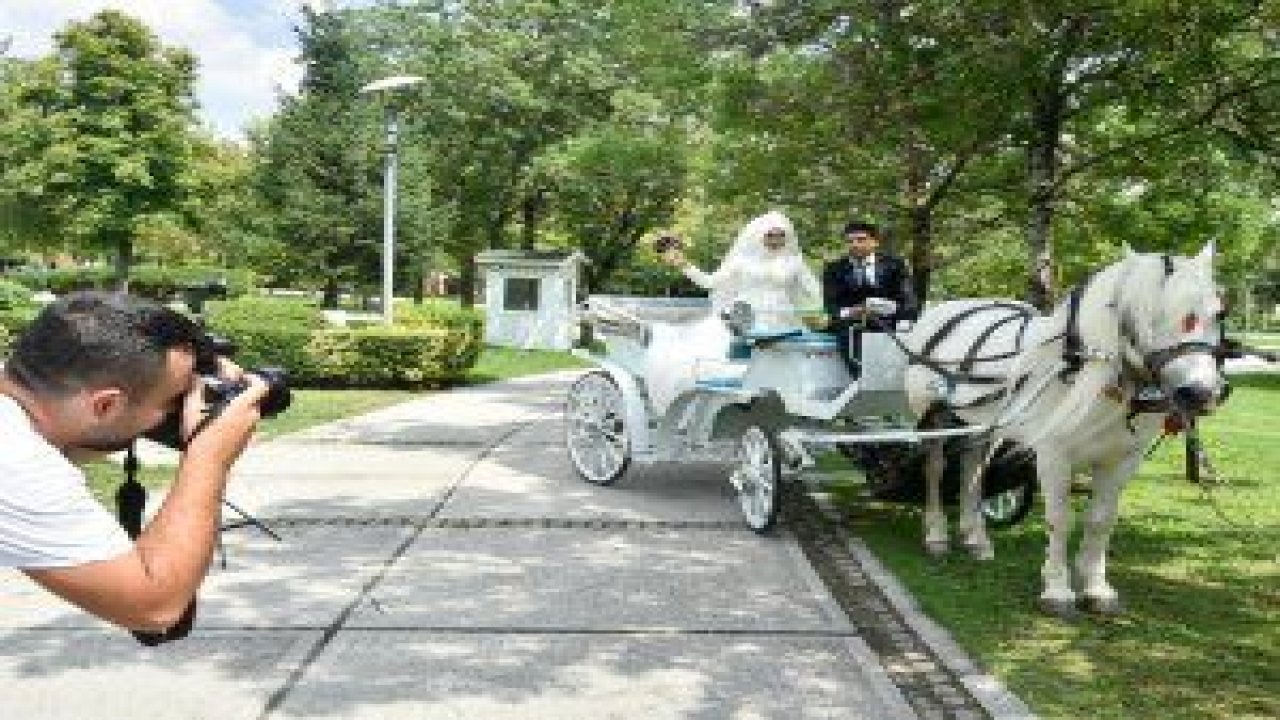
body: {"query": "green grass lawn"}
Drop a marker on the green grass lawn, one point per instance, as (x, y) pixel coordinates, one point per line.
(1200, 578)
(1262, 340)
(497, 363)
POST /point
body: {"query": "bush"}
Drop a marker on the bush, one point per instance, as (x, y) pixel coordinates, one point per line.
(151, 281)
(16, 319)
(439, 314)
(430, 346)
(267, 332)
(392, 356)
(13, 295)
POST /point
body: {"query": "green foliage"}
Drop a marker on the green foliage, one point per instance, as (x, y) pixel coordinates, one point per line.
(268, 332)
(393, 356)
(434, 343)
(158, 282)
(16, 311)
(13, 295)
(17, 318)
(439, 314)
(103, 138)
(321, 167)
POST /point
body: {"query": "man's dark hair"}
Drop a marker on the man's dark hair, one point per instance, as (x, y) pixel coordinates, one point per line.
(861, 226)
(94, 338)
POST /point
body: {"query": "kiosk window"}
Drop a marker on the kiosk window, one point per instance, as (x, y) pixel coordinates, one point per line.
(520, 294)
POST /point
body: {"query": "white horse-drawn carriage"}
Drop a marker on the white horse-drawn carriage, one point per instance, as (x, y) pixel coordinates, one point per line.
(765, 407)
(1012, 400)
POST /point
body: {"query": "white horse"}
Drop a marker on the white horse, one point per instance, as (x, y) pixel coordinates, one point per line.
(1069, 387)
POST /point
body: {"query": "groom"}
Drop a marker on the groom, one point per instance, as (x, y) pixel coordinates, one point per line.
(865, 291)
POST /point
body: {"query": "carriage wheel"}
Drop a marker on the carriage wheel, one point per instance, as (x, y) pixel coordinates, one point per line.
(1008, 507)
(758, 478)
(1010, 483)
(596, 431)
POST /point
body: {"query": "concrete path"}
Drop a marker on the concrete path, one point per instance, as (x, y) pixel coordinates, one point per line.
(439, 559)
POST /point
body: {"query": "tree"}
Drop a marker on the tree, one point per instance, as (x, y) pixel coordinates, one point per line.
(106, 135)
(319, 171)
(1106, 86)
(227, 220)
(610, 185)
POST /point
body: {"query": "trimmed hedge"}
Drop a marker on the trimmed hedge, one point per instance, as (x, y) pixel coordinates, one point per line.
(436, 346)
(392, 356)
(13, 295)
(151, 281)
(14, 320)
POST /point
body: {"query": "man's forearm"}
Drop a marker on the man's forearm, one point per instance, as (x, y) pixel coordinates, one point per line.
(149, 587)
(176, 547)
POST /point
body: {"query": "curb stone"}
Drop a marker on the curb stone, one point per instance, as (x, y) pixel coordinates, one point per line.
(986, 690)
(984, 687)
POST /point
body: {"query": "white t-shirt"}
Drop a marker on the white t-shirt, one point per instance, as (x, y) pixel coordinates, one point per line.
(48, 518)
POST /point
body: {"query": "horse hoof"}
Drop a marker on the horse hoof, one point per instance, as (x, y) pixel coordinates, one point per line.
(1061, 609)
(937, 549)
(1101, 605)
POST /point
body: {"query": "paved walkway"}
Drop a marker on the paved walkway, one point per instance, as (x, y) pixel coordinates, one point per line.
(439, 559)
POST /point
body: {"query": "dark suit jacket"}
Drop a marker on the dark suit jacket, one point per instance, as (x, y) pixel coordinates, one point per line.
(842, 287)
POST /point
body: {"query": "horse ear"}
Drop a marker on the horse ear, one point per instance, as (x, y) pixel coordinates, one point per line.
(1206, 254)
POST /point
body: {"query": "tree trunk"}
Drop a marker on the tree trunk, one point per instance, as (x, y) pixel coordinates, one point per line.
(1042, 179)
(1042, 162)
(921, 251)
(467, 283)
(419, 286)
(530, 210)
(124, 261)
(919, 216)
(331, 294)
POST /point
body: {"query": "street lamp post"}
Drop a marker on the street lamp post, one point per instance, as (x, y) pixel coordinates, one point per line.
(390, 86)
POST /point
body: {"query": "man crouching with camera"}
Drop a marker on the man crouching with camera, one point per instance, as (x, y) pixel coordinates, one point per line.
(91, 374)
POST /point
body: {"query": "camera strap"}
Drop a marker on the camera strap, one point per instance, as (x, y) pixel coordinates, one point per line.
(131, 501)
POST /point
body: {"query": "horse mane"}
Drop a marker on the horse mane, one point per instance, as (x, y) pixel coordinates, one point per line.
(1114, 299)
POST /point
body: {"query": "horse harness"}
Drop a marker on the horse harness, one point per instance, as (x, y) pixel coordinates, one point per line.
(956, 372)
(1146, 398)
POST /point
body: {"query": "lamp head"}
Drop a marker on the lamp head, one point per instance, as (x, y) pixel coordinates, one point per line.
(393, 83)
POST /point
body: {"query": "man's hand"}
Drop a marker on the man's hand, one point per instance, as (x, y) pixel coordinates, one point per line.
(223, 438)
(150, 587)
(852, 313)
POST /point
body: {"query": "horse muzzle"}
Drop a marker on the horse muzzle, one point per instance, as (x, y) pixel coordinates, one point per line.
(1191, 377)
(1196, 398)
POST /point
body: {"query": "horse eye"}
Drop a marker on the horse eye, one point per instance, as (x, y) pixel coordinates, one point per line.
(1190, 322)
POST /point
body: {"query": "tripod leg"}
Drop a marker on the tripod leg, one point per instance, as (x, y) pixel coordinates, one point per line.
(249, 520)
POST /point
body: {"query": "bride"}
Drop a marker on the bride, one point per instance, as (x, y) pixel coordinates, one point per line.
(763, 268)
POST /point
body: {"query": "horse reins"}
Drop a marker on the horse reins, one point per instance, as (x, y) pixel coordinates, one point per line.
(964, 371)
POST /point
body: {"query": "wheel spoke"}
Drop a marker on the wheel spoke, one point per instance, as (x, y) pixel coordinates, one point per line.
(596, 433)
(755, 478)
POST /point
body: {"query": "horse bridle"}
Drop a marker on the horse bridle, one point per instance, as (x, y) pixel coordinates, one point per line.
(1153, 361)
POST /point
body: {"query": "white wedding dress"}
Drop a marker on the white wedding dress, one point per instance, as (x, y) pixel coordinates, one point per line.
(777, 284)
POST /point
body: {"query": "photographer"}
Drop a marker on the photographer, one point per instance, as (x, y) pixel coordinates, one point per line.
(92, 373)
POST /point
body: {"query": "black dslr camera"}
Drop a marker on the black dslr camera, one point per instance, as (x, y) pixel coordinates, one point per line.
(219, 391)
